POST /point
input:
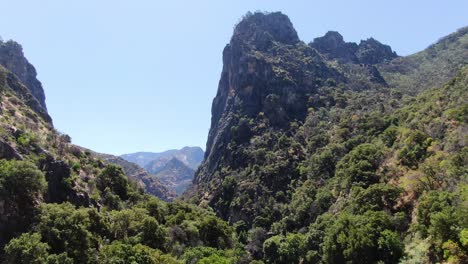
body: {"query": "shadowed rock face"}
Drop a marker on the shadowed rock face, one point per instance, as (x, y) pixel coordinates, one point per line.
(333, 45)
(368, 51)
(371, 51)
(272, 90)
(12, 58)
(261, 29)
(266, 69)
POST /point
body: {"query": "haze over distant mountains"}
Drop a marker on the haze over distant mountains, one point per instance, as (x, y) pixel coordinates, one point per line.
(175, 168)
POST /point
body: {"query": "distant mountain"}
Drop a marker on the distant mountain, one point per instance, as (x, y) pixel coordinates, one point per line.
(190, 156)
(175, 167)
(61, 203)
(175, 175)
(144, 180)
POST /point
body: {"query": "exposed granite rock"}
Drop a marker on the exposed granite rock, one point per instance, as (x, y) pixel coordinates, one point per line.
(371, 51)
(12, 58)
(333, 45)
(368, 51)
(261, 29)
(11, 80)
(273, 79)
(269, 82)
(8, 152)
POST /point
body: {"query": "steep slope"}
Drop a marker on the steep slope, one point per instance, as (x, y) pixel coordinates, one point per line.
(270, 83)
(432, 67)
(320, 149)
(12, 58)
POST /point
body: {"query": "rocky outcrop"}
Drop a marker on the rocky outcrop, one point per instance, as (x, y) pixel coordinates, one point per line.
(270, 83)
(60, 185)
(371, 51)
(8, 152)
(268, 70)
(368, 51)
(334, 47)
(14, 83)
(12, 58)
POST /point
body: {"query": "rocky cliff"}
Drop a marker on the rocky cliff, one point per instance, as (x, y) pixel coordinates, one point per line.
(13, 59)
(299, 130)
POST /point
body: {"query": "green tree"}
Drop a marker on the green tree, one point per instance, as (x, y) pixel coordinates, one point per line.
(67, 229)
(415, 149)
(21, 185)
(27, 249)
(359, 166)
(121, 253)
(390, 247)
(215, 232)
(153, 234)
(284, 249)
(113, 177)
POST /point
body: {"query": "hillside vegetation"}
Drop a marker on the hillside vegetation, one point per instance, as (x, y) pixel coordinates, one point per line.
(319, 153)
(326, 152)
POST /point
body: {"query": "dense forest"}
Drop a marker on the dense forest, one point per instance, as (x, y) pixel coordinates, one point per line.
(320, 152)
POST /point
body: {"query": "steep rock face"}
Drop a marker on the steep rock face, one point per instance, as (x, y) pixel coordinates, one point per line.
(267, 73)
(281, 104)
(371, 51)
(12, 58)
(368, 51)
(9, 79)
(333, 46)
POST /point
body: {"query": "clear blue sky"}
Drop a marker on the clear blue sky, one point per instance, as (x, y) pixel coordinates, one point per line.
(126, 76)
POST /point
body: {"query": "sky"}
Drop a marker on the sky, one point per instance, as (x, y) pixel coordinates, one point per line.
(128, 76)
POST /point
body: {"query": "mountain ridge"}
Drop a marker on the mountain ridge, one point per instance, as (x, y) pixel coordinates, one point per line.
(299, 130)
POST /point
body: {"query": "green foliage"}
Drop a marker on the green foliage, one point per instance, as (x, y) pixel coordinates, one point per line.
(442, 218)
(215, 233)
(113, 180)
(21, 186)
(120, 253)
(27, 139)
(359, 166)
(389, 136)
(390, 246)
(375, 198)
(68, 229)
(415, 149)
(27, 249)
(363, 238)
(284, 249)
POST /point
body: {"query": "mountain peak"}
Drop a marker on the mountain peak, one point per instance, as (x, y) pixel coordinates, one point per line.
(260, 27)
(371, 51)
(331, 40)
